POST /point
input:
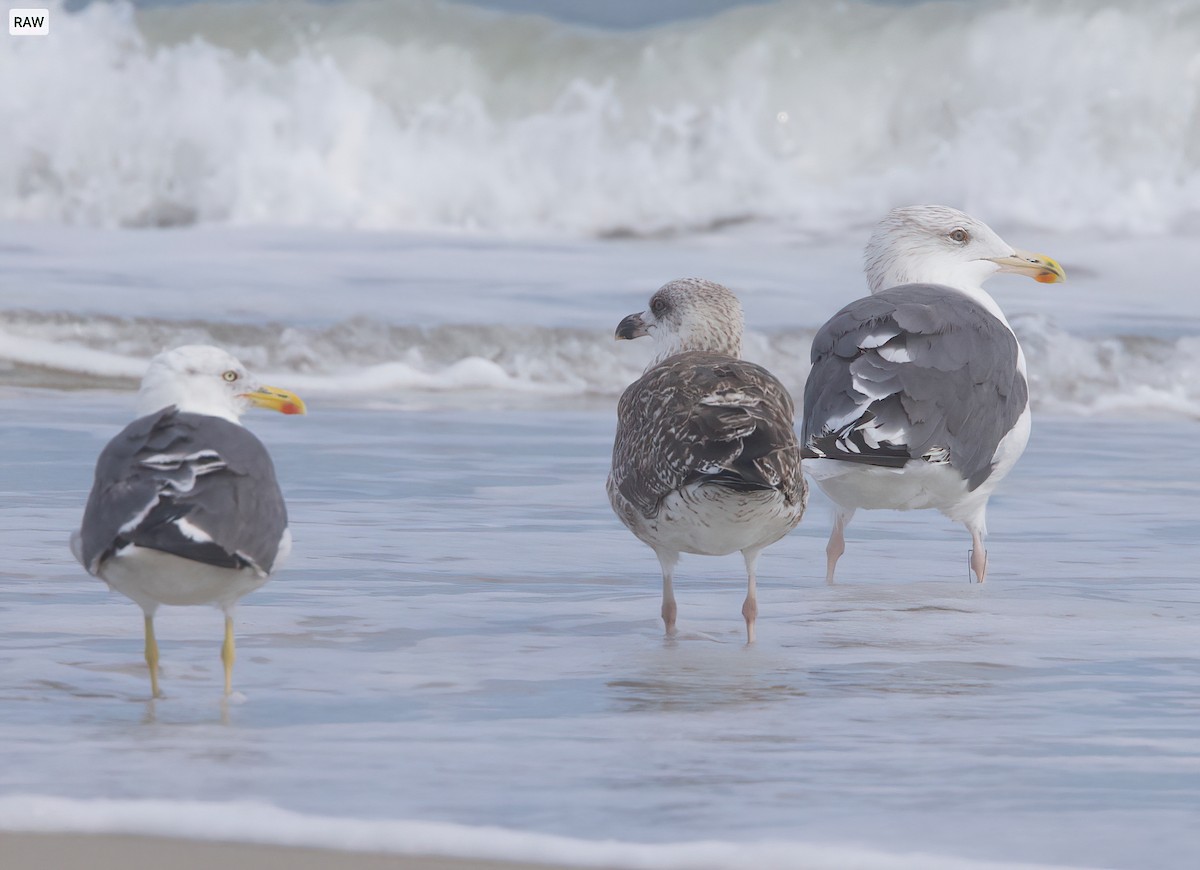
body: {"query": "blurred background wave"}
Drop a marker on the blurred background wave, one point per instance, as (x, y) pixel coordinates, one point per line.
(529, 117)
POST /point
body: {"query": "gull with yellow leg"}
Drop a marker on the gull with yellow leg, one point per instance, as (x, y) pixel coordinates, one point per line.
(185, 508)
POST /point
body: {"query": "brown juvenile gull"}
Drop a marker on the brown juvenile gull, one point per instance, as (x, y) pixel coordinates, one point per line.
(917, 397)
(185, 508)
(706, 459)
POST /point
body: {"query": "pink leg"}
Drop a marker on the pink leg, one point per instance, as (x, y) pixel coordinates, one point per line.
(837, 543)
(667, 561)
(750, 605)
(978, 555)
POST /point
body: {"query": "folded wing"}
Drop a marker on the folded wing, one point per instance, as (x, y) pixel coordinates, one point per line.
(919, 371)
(195, 486)
(705, 417)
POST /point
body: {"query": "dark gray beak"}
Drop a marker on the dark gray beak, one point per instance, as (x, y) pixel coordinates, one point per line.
(632, 327)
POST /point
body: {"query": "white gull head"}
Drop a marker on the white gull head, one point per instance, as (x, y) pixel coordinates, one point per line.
(201, 379)
(688, 314)
(936, 244)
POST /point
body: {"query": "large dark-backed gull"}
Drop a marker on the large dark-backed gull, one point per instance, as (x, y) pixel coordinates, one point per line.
(706, 459)
(917, 396)
(185, 508)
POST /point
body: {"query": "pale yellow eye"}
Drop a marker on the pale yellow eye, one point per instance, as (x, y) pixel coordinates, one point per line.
(960, 235)
(230, 376)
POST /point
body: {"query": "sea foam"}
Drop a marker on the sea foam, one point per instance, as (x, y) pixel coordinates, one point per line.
(363, 360)
(256, 822)
(434, 116)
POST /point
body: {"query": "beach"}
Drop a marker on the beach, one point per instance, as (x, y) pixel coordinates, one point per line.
(112, 852)
(427, 219)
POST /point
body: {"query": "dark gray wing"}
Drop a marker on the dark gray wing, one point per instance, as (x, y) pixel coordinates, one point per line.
(702, 416)
(917, 371)
(192, 485)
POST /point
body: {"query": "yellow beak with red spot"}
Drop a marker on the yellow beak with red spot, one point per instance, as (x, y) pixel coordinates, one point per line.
(276, 399)
(1039, 267)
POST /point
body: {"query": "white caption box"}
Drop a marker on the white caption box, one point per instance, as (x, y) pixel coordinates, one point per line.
(28, 22)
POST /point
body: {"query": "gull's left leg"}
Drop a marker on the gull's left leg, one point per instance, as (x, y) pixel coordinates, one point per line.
(228, 653)
(837, 541)
(152, 655)
(667, 560)
(750, 605)
(978, 553)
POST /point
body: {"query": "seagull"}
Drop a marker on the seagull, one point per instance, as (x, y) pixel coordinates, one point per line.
(185, 508)
(918, 397)
(706, 458)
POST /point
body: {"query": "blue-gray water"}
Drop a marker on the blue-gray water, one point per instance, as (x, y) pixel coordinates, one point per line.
(397, 209)
(465, 633)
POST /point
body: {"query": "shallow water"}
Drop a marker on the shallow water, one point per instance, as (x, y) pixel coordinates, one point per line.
(397, 210)
(465, 633)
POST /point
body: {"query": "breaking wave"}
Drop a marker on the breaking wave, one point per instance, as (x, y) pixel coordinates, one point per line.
(435, 116)
(258, 822)
(363, 359)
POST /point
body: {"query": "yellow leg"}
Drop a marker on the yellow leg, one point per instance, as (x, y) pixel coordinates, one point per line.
(228, 654)
(152, 656)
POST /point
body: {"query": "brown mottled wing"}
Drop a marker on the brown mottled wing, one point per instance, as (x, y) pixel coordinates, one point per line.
(701, 416)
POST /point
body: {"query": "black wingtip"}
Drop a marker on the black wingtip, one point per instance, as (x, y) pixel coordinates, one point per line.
(829, 446)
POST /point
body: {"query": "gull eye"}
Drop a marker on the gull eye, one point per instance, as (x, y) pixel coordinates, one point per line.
(960, 235)
(658, 305)
(230, 376)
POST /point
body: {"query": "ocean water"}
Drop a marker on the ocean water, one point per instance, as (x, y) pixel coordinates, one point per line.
(377, 315)
(428, 219)
(466, 637)
(423, 115)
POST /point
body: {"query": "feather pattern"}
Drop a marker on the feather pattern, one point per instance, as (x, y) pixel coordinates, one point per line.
(706, 458)
(701, 416)
(919, 371)
(184, 484)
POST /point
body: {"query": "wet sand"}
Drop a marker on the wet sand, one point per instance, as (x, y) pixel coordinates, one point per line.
(23, 851)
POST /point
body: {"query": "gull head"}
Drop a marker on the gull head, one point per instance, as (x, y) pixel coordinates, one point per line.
(936, 244)
(201, 379)
(688, 314)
